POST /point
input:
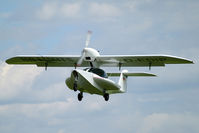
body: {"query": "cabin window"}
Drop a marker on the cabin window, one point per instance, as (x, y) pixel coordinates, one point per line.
(99, 72)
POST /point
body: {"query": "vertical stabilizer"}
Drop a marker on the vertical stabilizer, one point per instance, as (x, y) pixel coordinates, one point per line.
(123, 81)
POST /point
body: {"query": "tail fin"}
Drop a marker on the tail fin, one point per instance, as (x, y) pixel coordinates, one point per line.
(124, 75)
(123, 81)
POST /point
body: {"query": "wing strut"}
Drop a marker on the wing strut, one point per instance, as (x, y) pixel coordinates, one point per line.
(46, 65)
(150, 65)
(75, 65)
(120, 65)
(91, 64)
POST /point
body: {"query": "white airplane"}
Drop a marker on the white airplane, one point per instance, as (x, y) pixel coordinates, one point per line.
(92, 79)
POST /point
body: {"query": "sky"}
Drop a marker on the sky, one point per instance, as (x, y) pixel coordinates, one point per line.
(34, 100)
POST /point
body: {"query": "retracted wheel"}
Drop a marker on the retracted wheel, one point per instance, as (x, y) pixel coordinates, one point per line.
(75, 86)
(106, 96)
(80, 96)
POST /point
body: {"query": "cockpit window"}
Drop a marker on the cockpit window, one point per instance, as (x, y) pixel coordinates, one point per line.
(86, 69)
(98, 71)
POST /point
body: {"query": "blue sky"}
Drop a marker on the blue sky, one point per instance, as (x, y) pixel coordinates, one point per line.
(33, 100)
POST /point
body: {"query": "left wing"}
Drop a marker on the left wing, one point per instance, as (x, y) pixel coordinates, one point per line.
(140, 60)
(47, 60)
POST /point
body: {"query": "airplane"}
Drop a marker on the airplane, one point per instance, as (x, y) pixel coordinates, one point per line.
(93, 79)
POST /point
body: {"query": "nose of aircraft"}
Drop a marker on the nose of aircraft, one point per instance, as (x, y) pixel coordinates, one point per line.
(72, 79)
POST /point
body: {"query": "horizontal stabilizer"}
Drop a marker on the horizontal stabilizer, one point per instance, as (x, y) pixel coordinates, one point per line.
(132, 74)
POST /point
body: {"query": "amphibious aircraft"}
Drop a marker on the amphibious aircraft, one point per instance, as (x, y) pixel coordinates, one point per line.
(93, 79)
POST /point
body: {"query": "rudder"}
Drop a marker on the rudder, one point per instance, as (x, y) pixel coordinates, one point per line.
(123, 81)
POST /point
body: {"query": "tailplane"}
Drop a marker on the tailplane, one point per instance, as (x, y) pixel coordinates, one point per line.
(124, 75)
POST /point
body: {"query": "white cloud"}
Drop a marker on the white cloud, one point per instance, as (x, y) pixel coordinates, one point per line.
(51, 109)
(135, 4)
(36, 110)
(70, 10)
(104, 10)
(5, 15)
(156, 122)
(153, 122)
(15, 80)
(164, 123)
(58, 10)
(47, 11)
(50, 93)
(61, 131)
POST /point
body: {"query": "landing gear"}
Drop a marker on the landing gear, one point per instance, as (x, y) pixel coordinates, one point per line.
(106, 96)
(75, 74)
(75, 86)
(80, 96)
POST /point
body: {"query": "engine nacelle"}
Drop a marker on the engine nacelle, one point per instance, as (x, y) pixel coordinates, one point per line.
(90, 54)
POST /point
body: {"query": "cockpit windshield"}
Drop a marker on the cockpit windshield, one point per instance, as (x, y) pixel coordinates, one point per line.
(97, 71)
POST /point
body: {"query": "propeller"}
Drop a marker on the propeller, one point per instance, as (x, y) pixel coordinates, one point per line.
(79, 62)
(88, 38)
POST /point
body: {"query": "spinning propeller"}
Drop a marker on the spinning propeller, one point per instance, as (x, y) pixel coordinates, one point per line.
(79, 62)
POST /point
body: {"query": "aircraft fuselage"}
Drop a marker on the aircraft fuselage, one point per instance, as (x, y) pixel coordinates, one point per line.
(92, 83)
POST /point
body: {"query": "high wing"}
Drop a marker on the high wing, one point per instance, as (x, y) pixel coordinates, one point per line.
(47, 60)
(140, 60)
(103, 60)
